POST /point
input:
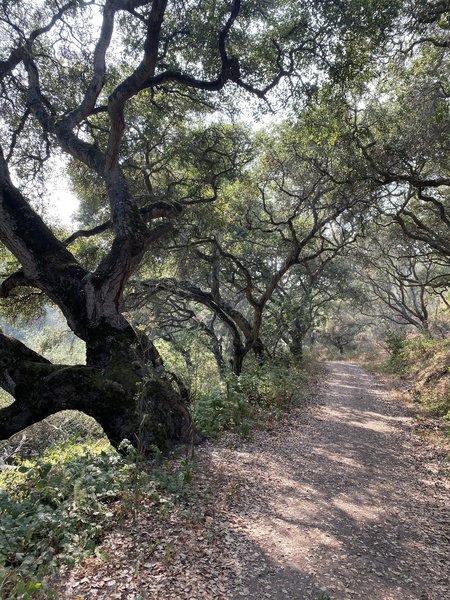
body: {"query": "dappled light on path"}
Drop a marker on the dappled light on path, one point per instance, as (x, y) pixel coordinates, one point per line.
(338, 503)
(341, 502)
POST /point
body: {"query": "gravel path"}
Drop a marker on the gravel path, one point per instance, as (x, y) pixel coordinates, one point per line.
(342, 502)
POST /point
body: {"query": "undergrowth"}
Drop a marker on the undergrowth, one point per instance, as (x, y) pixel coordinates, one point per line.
(425, 363)
(56, 503)
(242, 403)
(52, 512)
(54, 509)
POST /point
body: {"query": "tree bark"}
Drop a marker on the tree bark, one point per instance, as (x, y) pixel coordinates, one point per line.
(123, 384)
(296, 347)
(237, 360)
(123, 387)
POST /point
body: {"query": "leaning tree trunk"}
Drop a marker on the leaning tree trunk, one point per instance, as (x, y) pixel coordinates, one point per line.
(240, 352)
(148, 410)
(123, 387)
(123, 384)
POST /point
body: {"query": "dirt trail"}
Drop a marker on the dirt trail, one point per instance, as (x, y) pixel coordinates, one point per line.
(344, 503)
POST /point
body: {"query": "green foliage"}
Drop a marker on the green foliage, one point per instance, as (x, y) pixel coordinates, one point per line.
(416, 349)
(52, 512)
(426, 364)
(395, 344)
(54, 509)
(175, 482)
(240, 402)
(220, 409)
(189, 357)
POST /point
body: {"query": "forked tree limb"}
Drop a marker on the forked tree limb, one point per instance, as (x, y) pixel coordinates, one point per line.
(156, 210)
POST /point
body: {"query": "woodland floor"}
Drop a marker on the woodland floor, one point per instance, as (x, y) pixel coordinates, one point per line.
(342, 501)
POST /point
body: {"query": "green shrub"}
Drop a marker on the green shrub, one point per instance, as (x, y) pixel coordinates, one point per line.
(419, 348)
(52, 511)
(221, 408)
(175, 481)
(241, 401)
(425, 362)
(429, 369)
(395, 342)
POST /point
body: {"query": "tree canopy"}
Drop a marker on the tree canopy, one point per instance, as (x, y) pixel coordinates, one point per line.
(192, 220)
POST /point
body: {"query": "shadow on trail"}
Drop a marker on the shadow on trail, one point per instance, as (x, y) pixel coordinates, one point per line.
(337, 502)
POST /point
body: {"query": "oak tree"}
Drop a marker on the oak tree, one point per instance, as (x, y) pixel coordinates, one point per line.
(70, 76)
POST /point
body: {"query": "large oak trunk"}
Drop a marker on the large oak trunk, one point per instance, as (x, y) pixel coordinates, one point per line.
(123, 386)
(147, 409)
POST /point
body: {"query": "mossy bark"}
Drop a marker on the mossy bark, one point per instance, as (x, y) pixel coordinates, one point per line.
(123, 384)
(123, 387)
(147, 410)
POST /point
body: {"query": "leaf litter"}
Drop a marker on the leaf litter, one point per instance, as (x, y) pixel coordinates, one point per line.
(341, 500)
